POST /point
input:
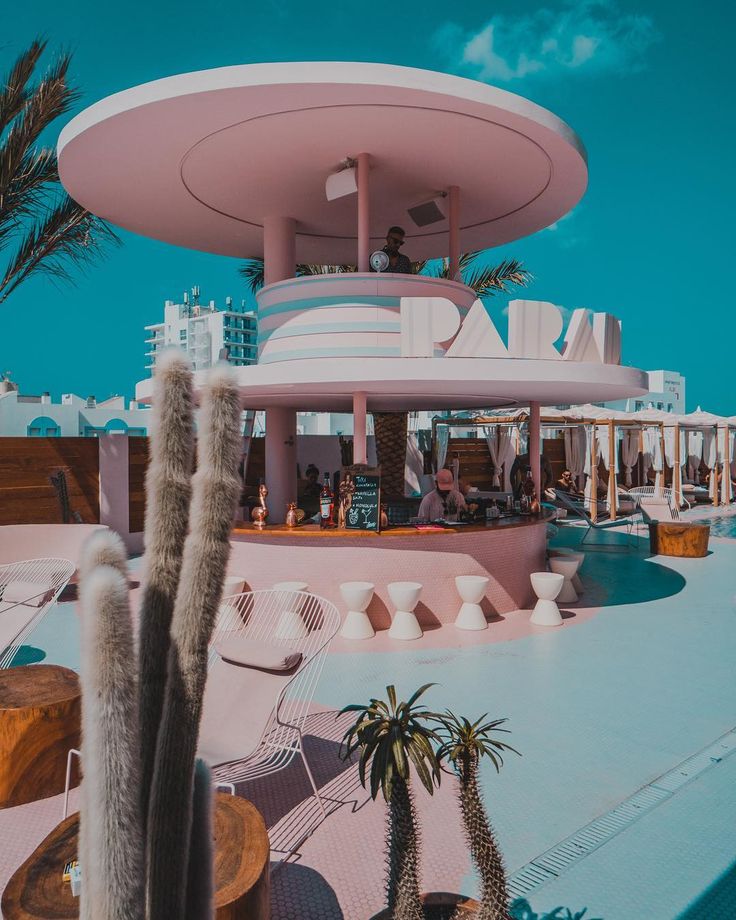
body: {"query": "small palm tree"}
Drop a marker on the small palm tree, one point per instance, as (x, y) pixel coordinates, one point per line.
(392, 737)
(463, 744)
(49, 231)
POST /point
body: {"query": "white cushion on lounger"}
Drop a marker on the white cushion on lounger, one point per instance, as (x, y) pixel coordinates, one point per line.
(29, 593)
(238, 703)
(253, 654)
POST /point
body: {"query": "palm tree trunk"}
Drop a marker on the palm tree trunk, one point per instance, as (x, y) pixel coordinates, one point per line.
(403, 860)
(484, 850)
(391, 430)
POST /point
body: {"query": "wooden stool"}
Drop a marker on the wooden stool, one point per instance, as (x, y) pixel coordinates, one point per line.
(40, 713)
(242, 885)
(679, 538)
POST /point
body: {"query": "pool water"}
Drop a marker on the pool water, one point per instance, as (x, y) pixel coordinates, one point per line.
(724, 526)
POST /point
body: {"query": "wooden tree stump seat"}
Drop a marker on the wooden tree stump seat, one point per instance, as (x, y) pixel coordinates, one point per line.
(40, 712)
(242, 886)
(679, 538)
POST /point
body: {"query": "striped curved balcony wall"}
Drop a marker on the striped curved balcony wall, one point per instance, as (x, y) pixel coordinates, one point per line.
(349, 315)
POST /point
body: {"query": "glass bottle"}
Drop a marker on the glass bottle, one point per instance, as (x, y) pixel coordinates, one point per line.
(326, 505)
(528, 493)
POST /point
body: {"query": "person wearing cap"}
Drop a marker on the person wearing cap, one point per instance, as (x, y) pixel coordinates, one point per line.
(444, 502)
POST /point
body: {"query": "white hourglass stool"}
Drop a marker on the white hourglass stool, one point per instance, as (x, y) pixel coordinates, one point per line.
(546, 585)
(472, 589)
(357, 595)
(291, 625)
(572, 554)
(405, 596)
(566, 566)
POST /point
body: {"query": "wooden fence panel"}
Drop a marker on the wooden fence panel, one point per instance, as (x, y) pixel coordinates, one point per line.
(26, 494)
(137, 466)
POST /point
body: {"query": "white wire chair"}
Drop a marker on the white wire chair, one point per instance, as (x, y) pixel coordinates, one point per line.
(261, 712)
(664, 492)
(28, 590)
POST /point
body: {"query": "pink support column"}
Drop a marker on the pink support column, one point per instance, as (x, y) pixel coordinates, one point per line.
(454, 192)
(280, 462)
(364, 219)
(279, 249)
(279, 262)
(360, 445)
(535, 444)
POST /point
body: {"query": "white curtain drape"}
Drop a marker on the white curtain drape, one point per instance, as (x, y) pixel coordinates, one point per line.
(443, 439)
(630, 452)
(603, 447)
(710, 459)
(694, 454)
(576, 453)
(500, 440)
(491, 433)
(652, 454)
(725, 447)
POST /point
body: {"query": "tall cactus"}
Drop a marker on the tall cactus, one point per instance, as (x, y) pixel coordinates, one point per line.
(111, 845)
(201, 882)
(168, 493)
(206, 551)
(463, 744)
(157, 864)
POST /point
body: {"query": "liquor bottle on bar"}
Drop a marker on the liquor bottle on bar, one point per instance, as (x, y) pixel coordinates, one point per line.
(326, 505)
(528, 493)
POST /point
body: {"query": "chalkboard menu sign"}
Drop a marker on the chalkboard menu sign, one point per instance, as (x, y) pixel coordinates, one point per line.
(363, 505)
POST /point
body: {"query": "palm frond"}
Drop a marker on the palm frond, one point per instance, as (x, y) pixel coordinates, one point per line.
(392, 736)
(497, 278)
(14, 92)
(68, 236)
(253, 273)
(464, 742)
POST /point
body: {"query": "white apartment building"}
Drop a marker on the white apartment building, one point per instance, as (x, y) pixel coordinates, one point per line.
(206, 333)
(666, 391)
(74, 417)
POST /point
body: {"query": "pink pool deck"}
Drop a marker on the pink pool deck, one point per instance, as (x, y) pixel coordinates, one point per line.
(598, 708)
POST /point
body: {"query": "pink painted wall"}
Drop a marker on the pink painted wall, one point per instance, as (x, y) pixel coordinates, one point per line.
(114, 488)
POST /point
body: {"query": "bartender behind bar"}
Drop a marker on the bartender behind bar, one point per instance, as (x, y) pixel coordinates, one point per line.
(444, 502)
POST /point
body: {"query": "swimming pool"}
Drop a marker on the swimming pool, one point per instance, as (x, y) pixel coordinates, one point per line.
(724, 526)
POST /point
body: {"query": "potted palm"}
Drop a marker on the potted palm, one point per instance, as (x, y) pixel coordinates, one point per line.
(392, 737)
(463, 744)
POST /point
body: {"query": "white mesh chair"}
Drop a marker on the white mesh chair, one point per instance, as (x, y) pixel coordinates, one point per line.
(28, 590)
(647, 493)
(253, 718)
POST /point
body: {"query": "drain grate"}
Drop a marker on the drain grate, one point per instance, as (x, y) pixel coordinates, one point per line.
(559, 858)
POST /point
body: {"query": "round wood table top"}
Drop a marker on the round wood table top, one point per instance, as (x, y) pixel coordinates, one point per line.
(36, 890)
(37, 685)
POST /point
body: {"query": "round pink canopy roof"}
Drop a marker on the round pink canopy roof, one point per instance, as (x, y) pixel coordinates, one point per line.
(200, 159)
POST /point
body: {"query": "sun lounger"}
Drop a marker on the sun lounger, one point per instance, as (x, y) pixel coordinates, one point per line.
(28, 590)
(577, 509)
(266, 657)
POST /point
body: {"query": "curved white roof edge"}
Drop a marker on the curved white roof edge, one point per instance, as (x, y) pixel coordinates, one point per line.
(311, 72)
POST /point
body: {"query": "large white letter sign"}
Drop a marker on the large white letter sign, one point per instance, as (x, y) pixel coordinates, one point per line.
(607, 335)
(478, 337)
(579, 342)
(426, 321)
(534, 327)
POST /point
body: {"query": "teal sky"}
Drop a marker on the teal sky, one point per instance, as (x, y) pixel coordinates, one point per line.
(648, 86)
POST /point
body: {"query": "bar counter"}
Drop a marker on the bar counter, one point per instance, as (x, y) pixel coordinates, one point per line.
(507, 551)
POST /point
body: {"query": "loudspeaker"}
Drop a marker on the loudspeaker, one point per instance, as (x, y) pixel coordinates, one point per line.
(430, 212)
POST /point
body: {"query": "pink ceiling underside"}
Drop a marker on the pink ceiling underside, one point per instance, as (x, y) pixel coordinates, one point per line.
(203, 169)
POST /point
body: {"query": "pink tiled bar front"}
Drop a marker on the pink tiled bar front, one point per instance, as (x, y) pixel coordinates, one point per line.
(506, 555)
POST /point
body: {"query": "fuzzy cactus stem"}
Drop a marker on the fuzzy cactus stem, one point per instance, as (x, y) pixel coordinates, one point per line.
(111, 843)
(168, 493)
(206, 551)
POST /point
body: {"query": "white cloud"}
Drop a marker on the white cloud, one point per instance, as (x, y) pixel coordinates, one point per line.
(579, 36)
